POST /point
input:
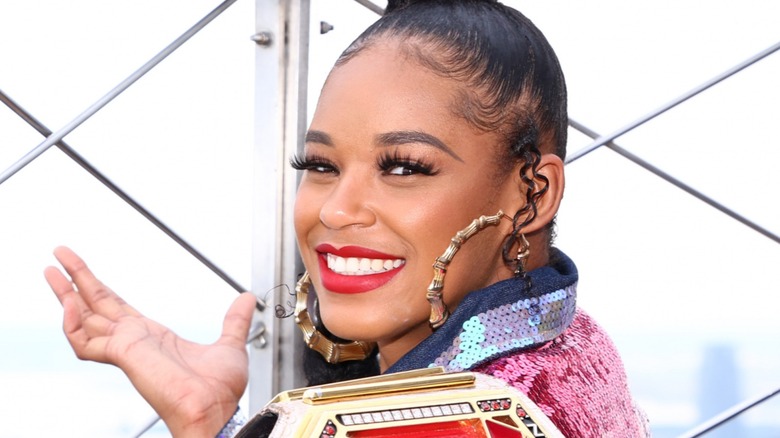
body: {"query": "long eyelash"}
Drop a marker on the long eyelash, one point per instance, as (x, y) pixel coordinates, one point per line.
(390, 160)
(299, 162)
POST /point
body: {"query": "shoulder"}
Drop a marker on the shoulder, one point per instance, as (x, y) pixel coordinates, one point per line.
(577, 379)
(584, 347)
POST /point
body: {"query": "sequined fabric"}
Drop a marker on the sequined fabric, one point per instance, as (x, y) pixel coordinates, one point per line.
(578, 381)
(236, 422)
(505, 316)
(546, 347)
(513, 326)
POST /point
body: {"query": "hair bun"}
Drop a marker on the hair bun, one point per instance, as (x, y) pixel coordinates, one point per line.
(396, 5)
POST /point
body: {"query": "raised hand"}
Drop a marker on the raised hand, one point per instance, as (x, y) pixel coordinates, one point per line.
(194, 388)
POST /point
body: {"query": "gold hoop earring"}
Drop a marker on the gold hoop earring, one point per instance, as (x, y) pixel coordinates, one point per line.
(522, 255)
(333, 351)
(439, 311)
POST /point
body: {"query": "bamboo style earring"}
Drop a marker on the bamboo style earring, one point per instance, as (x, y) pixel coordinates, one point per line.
(522, 255)
(333, 351)
(439, 311)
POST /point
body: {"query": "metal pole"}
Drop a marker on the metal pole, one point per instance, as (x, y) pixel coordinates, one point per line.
(81, 161)
(677, 183)
(116, 91)
(602, 140)
(148, 425)
(282, 37)
(373, 7)
(728, 414)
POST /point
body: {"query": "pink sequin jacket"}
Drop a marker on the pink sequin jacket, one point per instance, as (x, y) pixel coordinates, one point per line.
(543, 345)
(577, 379)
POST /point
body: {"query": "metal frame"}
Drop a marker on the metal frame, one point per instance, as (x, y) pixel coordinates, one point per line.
(92, 170)
(281, 58)
(674, 181)
(602, 140)
(282, 33)
(729, 414)
(282, 30)
(116, 91)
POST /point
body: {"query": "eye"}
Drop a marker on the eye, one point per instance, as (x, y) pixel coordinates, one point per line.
(397, 165)
(313, 164)
(401, 170)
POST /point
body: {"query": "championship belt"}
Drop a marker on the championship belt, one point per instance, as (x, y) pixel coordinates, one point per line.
(419, 403)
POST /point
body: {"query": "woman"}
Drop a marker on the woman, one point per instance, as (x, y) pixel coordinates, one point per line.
(439, 114)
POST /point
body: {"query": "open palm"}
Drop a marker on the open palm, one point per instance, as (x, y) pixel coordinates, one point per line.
(194, 388)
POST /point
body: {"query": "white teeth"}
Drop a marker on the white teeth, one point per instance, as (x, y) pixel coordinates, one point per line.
(361, 266)
(338, 264)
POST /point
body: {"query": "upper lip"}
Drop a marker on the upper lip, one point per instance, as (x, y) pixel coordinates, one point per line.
(353, 251)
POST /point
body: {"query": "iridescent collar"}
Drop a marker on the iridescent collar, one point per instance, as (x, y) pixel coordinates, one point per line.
(500, 319)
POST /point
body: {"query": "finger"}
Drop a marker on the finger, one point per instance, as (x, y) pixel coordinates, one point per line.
(63, 289)
(60, 285)
(238, 319)
(96, 294)
(85, 346)
(96, 325)
(93, 324)
(72, 323)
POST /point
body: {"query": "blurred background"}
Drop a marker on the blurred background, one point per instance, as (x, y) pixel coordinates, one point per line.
(687, 293)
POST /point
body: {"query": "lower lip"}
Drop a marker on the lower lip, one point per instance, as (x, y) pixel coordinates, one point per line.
(353, 284)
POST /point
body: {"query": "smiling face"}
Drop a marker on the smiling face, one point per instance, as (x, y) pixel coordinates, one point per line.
(391, 173)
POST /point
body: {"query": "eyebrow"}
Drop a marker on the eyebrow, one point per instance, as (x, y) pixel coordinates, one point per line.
(389, 139)
(406, 137)
(318, 137)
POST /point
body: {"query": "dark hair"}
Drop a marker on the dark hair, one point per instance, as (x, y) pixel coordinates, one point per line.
(513, 83)
(513, 79)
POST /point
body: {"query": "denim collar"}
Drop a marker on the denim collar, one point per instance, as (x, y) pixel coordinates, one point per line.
(501, 319)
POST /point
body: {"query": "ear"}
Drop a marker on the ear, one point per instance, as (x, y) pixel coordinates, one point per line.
(551, 167)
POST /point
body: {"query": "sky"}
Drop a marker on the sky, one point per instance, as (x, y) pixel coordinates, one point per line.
(669, 278)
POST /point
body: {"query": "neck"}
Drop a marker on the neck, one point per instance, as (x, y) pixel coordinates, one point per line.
(392, 350)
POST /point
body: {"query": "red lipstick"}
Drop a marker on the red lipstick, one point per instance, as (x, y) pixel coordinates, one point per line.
(353, 284)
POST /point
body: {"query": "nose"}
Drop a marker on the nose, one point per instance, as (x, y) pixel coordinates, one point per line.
(348, 203)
